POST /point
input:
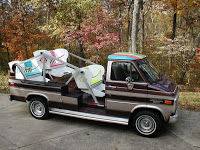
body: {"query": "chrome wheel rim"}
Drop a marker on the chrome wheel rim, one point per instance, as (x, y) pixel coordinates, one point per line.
(37, 109)
(145, 124)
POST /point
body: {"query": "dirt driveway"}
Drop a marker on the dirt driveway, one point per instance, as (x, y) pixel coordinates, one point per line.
(19, 130)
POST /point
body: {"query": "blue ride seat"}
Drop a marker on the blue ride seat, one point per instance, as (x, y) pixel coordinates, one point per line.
(29, 70)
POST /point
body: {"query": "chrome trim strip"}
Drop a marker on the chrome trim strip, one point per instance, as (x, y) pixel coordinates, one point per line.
(145, 90)
(130, 94)
(160, 97)
(14, 80)
(121, 102)
(36, 92)
(76, 114)
(36, 85)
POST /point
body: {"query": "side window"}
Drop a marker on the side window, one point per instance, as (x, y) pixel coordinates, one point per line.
(121, 70)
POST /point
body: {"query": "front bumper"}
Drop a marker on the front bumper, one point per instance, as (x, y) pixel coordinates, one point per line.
(9, 97)
(173, 119)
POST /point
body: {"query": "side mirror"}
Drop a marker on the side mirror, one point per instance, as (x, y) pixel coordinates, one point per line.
(129, 84)
(128, 80)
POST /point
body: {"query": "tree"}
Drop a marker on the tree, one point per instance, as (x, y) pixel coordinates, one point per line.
(20, 31)
(75, 12)
(93, 33)
(135, 22)
(191, 57)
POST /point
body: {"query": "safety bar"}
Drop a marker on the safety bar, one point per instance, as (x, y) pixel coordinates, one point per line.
(82, 58)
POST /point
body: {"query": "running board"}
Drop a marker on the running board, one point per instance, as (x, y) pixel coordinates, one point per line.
(83, 115)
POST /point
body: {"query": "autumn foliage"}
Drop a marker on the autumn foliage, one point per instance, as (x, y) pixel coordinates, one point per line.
(167, 33)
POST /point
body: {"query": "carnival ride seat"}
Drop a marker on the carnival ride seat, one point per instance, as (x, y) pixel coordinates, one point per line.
(94, 77)
(54, 66)
(28, 70)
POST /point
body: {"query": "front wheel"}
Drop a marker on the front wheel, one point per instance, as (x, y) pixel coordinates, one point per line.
(147, 123)
(38, 108)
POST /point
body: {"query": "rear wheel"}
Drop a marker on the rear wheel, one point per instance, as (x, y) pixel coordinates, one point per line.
(147, 123)
(38, 108)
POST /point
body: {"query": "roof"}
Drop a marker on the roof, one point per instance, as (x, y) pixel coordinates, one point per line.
(126, 56)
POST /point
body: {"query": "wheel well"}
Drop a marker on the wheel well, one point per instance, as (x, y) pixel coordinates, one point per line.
(31, 96)
(149, 109)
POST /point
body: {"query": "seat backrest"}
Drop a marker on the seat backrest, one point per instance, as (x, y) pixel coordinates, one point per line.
(40, 59)
(28, 66)
(38, 52)
(80, 81)
(96, 70)
(61, 54)
(31, 68)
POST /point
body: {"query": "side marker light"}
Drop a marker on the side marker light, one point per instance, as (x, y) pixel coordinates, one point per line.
(168, 102)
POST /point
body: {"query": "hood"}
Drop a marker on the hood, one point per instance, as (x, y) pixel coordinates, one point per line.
(165, 84)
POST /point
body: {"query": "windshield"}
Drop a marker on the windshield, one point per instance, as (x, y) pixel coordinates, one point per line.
(149, 70)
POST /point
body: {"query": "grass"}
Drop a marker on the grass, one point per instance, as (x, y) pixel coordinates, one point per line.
(4, 88)
(187, 100)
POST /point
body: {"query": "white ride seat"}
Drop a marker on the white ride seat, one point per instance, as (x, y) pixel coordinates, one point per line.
(30, 70)
(59, 69)
(94, 78)
(97, 73)
(54, 67)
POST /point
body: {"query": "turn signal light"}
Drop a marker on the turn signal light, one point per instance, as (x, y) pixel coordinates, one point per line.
(168, 102)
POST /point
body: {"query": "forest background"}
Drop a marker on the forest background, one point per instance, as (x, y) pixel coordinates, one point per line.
(166, 31)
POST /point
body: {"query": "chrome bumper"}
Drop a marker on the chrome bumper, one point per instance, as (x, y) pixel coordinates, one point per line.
(173, 119)
(9, 97)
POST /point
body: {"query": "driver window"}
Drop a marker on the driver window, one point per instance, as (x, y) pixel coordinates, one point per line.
(121, 70)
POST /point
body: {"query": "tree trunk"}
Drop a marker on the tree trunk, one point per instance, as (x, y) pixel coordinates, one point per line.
(129, 22)
(81, 54)
(174, 26)
(120, 24)
(24, 36)
(191, 57)
(80, 50)
(142, 29)
(135, 22)
(4, 26)
(99, 56)
(147, 31)
(48, 17)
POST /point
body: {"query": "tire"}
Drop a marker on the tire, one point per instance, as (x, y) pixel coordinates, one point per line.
(38, 108)
(147, 123)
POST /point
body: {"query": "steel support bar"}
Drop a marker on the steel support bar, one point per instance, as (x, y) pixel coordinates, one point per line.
(20, 69)
(66, 63)
(44, 71)
(73, 76)
(89, 88)
(82, 58)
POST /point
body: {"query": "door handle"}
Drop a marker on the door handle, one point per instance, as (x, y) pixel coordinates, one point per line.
(113, 87)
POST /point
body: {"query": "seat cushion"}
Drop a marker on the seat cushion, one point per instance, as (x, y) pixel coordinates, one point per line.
(56, 64)
(31, 73)
(95, 81)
